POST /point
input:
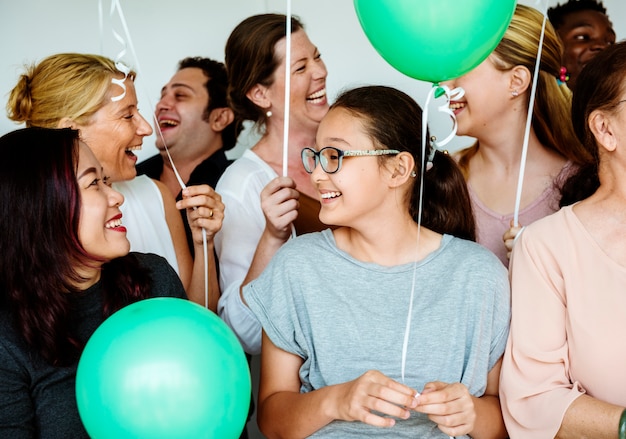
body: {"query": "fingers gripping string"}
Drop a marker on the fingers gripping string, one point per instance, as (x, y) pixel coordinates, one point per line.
(116, 6)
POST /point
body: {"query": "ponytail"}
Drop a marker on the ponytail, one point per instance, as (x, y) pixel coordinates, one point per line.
(446, 206)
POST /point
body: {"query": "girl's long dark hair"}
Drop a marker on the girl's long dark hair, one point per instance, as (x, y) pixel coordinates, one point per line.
(394, 121)
(40, 251)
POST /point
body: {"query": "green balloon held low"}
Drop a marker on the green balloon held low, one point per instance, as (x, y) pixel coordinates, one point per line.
(163, 368)
(434, 40)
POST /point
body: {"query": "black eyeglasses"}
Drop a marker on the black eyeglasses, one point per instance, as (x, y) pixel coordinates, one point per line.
(330, 157)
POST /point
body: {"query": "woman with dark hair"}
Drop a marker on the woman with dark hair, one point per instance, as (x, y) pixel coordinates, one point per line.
(263, 206)
(562, 374)
(358, 319)
(66, 266)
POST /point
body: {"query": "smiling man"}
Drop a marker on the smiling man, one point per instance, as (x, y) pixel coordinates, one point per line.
(585, 29)
(196, 125)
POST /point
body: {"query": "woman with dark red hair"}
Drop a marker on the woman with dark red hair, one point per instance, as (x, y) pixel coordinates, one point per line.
(66, 266)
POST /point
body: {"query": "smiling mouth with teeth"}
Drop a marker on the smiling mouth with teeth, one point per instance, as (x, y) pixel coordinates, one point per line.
(167, 123)
(456, 105)
(130, 149)
(317, 97)
(113, 224)
(329, 195)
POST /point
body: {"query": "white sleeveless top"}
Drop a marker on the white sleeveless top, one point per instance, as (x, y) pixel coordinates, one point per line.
(144, 217)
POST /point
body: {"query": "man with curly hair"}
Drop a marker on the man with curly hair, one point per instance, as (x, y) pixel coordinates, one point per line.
(585, 29)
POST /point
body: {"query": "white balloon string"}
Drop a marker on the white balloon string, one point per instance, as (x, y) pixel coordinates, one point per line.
(437, 90)
(115, 6)
(450, 95)
(529, 117)
(101, 26)
(287, 98)
(118, 59)
(407, 329)
(287, 90)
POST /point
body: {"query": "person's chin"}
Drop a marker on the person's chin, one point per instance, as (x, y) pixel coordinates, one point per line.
(120, 251)
(129, 173)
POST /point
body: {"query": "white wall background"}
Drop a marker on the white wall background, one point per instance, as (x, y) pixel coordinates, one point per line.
(165, 31)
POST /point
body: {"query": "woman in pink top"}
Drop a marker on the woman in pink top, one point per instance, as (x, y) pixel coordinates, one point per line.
(494, 111)
(563, 370)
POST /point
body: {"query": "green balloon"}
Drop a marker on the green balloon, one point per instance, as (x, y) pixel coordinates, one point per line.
(163, 368)
(434, 40)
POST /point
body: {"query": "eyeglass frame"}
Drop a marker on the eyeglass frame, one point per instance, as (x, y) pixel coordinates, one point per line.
(341, 154)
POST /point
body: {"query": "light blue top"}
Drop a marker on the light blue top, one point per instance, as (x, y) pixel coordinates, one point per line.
(344, 317)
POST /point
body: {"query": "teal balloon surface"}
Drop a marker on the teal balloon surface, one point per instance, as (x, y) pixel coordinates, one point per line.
(163, 368)
(434, 40)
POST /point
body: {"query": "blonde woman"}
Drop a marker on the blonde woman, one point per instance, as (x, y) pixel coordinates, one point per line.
(494, 111)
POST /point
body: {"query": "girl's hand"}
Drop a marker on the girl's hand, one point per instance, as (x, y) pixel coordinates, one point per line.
(450, 406)
(357, 400)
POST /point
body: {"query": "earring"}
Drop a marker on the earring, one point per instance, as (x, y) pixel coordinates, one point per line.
(413, 174)
(268, 113)
(515, 93)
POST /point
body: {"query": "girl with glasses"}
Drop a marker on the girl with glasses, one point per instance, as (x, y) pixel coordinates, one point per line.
(382, 326)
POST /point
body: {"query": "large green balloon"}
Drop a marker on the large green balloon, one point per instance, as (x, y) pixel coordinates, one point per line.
(434, 40)
(163, 368)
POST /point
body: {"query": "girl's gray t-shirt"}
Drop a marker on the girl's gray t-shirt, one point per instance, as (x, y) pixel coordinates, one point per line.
(344, 317)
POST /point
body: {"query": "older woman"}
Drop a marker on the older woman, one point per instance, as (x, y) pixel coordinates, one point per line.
(562, 374)
(96, 96)
(261, 205)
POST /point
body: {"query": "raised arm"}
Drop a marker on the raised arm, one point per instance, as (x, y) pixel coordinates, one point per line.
(279, 202)
(245, 245)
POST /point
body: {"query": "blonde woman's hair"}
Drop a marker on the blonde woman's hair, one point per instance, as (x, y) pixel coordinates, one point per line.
(551, 120)
(65, 85)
